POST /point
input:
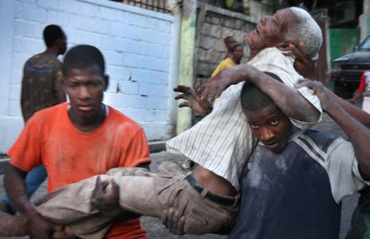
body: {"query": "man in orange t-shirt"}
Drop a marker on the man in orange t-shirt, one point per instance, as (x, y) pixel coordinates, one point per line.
(75, 141)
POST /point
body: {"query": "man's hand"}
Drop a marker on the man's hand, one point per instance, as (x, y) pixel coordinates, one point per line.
(303, 63)
(39, 227)
(173, 221)
(213, 87)
(320, 91)
(192, 100)
(105, 197)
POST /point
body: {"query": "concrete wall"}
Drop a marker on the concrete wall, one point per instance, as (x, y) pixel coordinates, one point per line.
(139, 47)
(213, 25)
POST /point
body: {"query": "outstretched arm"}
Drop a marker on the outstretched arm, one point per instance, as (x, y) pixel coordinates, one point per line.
(299, 107)
(358, 134)
(192, 100)
(215, 85)
(289, 100)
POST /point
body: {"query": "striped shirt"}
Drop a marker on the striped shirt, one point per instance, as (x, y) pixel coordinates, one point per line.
(222, 141)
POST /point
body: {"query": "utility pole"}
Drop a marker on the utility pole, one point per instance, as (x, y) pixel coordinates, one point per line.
(186, 69)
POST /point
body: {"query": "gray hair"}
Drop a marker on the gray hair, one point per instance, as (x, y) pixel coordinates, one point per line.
(307, 31)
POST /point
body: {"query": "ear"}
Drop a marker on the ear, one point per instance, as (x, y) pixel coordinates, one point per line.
(284, 46)
(106, 81)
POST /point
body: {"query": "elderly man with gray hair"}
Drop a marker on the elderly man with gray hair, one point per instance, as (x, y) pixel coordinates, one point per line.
(218, 147)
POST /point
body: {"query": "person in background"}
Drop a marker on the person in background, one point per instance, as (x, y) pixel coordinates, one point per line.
(41, 88)
(363, 91)
(237, 53)
(75, 141)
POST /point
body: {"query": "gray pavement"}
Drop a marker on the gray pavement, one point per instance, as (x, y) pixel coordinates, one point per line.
(157, 231)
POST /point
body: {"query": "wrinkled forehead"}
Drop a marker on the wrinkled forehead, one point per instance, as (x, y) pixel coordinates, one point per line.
(287, 16)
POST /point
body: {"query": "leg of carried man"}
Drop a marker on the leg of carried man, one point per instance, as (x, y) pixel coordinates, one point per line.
(144, 193)
(171, 187)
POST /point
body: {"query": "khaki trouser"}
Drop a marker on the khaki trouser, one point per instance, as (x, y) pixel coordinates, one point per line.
(141, 192)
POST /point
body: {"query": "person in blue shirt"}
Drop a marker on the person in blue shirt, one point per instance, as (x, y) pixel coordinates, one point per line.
(294, 181)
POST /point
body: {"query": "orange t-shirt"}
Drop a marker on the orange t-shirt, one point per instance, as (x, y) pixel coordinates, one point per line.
(70, 155)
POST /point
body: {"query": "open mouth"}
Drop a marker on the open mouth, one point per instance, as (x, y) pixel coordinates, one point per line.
(271, 144)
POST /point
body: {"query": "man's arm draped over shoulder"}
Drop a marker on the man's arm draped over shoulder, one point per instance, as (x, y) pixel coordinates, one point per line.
(298, 108)
(358, 134)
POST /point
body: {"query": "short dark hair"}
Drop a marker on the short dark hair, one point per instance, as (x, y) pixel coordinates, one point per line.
(235, 46)
(252, 98)
(52, 33)
(229, 38)
(83, 56)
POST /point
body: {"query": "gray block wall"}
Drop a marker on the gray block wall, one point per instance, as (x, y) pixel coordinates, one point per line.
(213, 25)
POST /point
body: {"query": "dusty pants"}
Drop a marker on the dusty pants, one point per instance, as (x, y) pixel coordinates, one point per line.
(144, 193)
